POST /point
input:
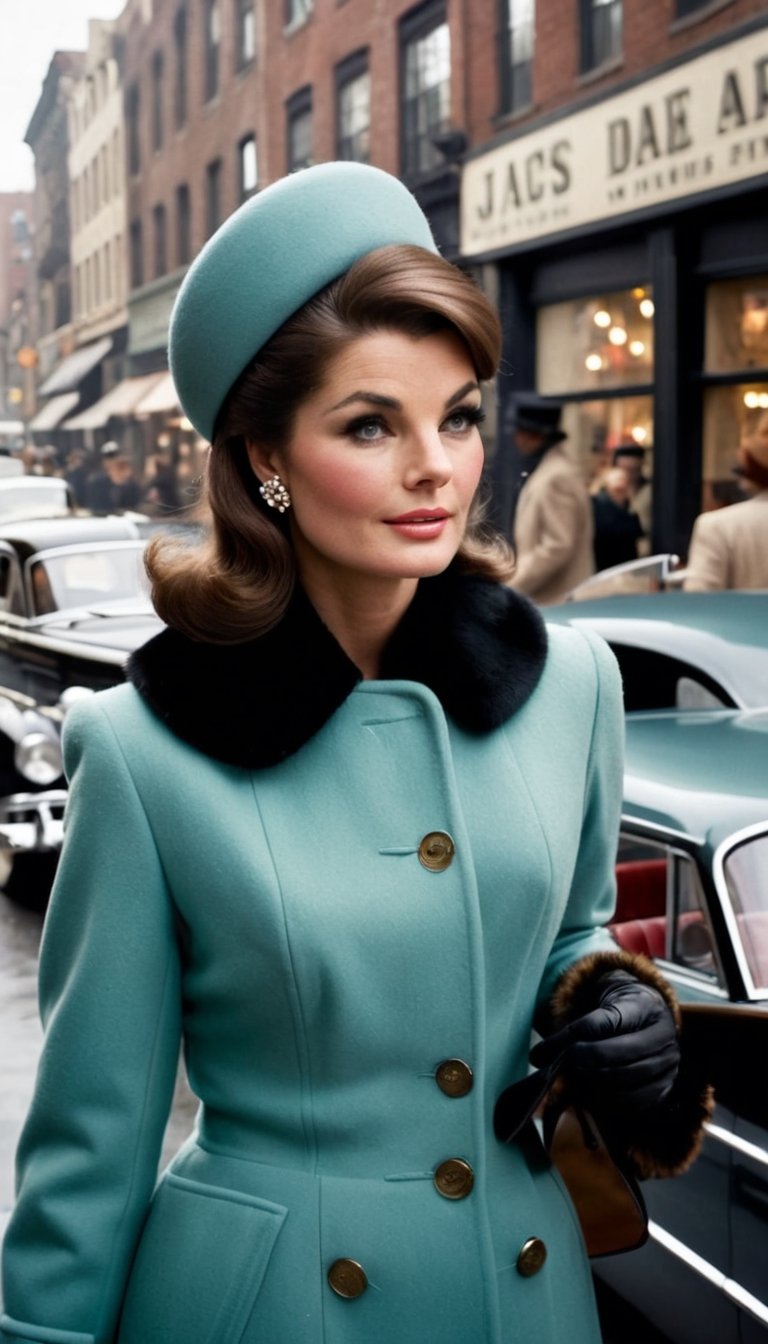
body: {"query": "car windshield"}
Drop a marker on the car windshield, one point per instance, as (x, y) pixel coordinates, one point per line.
(88, 578)
(746, 876)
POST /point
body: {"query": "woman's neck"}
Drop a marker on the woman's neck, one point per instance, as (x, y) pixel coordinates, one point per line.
(362, 615)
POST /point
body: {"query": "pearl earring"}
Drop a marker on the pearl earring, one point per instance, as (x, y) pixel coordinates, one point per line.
(275, 494)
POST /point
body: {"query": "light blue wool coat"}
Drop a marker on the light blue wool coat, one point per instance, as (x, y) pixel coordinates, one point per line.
(279, 922)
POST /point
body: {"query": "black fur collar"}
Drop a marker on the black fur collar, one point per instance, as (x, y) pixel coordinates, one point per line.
(478, 645)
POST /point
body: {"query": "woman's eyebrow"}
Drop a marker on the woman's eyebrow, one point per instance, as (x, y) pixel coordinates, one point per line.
(392, 404)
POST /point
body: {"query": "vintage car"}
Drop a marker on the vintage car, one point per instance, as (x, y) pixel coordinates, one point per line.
(693, 894)
(682, 650)
(73, 604)
(34, 497)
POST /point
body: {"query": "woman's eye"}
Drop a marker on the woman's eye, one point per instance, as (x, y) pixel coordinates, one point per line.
(366, 431)
(463, 419)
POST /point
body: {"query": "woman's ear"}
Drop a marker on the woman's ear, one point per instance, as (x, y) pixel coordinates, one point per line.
(263, 460)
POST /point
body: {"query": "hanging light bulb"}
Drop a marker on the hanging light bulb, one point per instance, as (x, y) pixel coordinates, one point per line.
(637, 348)
(617, 336)
(647, 307)
(594, 363)
(639, 434)
(602, 318)
(751, 400)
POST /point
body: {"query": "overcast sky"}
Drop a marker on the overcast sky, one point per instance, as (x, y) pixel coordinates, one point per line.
(30, 32)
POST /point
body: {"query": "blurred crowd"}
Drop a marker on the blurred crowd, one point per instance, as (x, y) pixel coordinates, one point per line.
(106, 480)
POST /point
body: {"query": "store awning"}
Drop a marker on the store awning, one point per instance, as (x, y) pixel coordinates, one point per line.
(163, 397)
(72, 370)
(120, 401)
(53, 412)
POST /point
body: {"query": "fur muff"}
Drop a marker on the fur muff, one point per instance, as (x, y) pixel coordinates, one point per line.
(665, 1140)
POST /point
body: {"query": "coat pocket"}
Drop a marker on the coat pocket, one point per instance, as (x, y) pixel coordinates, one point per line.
(200, 1265)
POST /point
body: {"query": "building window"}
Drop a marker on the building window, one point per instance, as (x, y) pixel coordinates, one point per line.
(212, 43)
(601, 32)
(105, 182)
(353, 108)
(299, 130)
(132, 110)
(96, 280)
(685, 7)
(517, 53)
(157, 100)
(137, 255)
(107, 272)
(95, 184)
(247, 168)
(245, 33)
(213, 196)
(296, 12)
(158, 229)
(180, 67)
(425, 46)
(736, 380)
(183, 226)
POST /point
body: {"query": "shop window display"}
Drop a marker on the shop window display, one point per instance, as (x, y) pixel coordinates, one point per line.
(737, 325)
(736, 350)
(604, 341)
(730, 415)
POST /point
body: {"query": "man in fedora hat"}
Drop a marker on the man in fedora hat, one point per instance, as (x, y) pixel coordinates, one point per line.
(552, 526)
(729, 546)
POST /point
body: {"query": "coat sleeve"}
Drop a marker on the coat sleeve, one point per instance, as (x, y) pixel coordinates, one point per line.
(592, 894)
(110, 1004)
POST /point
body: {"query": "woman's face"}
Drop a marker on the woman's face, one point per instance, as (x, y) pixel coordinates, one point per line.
(383, 461)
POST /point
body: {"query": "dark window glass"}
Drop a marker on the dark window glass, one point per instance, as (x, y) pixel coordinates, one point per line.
(247, 167)
(180, 86)
(353, 109)
(601, 32)
(685, 7)
(132, 109)
(137, 255)
(299, 130)
(212, 43)
(245, 41)
(158, 223)
(183, 226)
(157, 100)
(517, 53)
(213, 196)
(425, 88)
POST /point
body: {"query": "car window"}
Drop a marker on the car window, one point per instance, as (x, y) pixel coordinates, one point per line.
(746, 877)
(86, 578)
(661, 909)
(655, 680)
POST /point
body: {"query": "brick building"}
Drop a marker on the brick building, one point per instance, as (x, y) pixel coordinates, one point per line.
(616, 188)
(17, 301)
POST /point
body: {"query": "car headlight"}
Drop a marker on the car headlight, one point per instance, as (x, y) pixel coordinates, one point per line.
(38, 758)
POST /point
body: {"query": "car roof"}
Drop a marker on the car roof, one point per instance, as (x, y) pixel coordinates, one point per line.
(723, 633)
(40, 534)
(703, 773)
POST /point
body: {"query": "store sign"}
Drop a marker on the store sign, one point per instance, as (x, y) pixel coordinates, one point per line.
(701, 126)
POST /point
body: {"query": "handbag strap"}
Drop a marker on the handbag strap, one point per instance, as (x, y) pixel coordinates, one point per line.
(519, 1102)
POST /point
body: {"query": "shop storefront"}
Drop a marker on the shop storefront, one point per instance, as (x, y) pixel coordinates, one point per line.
(631, 241)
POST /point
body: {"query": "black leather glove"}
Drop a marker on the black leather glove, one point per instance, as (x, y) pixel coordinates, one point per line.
(624, 1055)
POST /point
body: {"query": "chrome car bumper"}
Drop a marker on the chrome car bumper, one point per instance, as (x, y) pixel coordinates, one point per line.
(32, 822)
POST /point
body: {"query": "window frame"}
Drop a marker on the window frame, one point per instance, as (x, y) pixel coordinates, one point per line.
(245, 10)
(413, 27)
(244, 193)
(591, 59)
(515, 96)
(211, 49)
(180, 85)
(214, 215)
(133, 119)
(158, 79)
(136, 245)
(298, 106)
(159, 240)
(183, 224)
(346, 73)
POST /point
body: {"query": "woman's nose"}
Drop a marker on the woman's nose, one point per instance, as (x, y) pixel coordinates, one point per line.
(429, 460)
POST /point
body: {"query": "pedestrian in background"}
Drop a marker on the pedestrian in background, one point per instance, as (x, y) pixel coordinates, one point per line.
(319, 839)
(729, 546)
(630, 456)
(114, 488)
(552, 525)
(617, 529)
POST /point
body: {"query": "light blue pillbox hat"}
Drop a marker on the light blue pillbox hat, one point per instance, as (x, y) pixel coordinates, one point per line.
(272, 255)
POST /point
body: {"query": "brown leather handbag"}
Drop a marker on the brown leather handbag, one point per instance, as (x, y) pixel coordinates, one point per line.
(606, 1196)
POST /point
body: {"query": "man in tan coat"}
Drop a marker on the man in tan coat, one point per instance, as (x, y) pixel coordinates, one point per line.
(552, 527)
(729, 547)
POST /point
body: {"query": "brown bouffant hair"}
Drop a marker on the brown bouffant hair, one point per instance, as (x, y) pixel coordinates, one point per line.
(237, 583)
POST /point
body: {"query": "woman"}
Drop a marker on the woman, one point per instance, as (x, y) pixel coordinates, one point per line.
(341, 836)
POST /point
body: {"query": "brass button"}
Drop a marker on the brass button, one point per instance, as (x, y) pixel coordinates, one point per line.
(454, 1077)
(531, 1258)
(347, 1278)
(436, 851)
(454, 1178)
